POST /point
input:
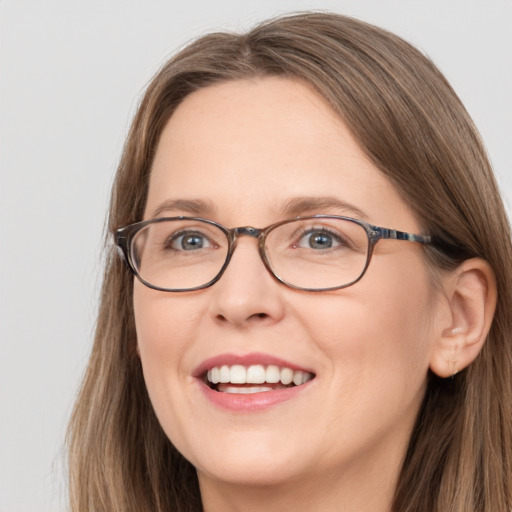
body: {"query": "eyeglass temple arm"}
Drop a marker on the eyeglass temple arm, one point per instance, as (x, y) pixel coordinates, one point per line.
(394, 234)
(120, 241)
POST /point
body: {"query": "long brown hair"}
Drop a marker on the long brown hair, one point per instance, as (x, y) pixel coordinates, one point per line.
(413, 127)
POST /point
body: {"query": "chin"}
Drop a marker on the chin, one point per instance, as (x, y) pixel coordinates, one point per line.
(250, 472)
(250, 458)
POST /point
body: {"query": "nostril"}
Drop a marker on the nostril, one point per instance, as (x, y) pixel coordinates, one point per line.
(260, 315)
(255, 316)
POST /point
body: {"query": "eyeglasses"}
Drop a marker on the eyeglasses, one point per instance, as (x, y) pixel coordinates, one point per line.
(314, 253)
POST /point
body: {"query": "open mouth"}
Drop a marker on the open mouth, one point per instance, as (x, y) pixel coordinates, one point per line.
(257, 378)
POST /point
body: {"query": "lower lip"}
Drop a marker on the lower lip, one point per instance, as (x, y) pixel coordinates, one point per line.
(253, 401)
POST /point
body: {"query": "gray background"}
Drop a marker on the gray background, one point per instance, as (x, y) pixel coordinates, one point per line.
(71, 73)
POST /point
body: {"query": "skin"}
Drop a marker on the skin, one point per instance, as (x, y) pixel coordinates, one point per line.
(247, 147)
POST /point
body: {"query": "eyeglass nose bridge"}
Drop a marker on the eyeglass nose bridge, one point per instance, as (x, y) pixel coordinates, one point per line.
(246, 231)
(259, 234)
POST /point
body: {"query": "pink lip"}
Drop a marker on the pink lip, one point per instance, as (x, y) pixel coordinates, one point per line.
(251, 402)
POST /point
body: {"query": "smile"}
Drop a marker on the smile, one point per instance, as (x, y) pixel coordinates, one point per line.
(239, 379)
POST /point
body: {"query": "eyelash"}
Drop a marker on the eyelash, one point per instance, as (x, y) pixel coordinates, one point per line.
(168, 244)
(307, 231)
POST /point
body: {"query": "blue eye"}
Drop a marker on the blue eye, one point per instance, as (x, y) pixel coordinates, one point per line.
(189, 241)
(319, 239)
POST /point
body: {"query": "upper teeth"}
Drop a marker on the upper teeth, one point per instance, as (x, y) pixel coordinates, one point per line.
(256, 374)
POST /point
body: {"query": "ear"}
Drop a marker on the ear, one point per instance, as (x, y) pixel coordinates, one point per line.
(471, 296)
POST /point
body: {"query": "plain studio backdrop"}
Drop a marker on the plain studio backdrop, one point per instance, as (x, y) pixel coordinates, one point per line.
(71, 74)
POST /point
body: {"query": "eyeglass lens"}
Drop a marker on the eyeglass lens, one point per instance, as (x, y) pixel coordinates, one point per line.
(314, 253)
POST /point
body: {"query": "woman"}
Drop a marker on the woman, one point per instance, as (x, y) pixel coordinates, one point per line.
(357, 356)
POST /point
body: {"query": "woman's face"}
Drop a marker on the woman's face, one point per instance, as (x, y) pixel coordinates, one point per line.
(241, 153)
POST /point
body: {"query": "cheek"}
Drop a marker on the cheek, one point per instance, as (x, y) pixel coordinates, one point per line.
(382, 326)
(165, 323)
(400, 299)
(166, 327)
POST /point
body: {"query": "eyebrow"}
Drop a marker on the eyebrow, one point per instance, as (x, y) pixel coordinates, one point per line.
(194, 207)
(294, 207)
(311, 205)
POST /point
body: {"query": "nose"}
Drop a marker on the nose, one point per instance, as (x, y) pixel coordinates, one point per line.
(247, 294)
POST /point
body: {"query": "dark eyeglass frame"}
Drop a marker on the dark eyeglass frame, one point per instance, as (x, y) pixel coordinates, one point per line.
(124, 235)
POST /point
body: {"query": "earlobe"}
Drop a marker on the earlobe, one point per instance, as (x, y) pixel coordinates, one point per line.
(471, 293)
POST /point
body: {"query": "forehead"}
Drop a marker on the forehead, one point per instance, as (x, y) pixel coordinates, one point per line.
(247, 147)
